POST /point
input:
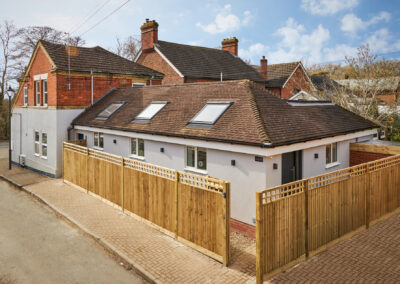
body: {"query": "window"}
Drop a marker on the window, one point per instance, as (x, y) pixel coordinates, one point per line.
(105, 114)
(331, 153)
(37, 93)
(44, 86)
(196, 158)
(44, 145)
(25, 96)
(37, 143)
(210, 113)
(150, 111)
(137, 147)
(136, 85)
(98, 141)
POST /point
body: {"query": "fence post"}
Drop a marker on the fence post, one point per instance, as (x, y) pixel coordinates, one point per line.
(367, 197)
(87, 170)
(176, 203)
(306, 225)
(227, 216)
(259, 239)
(63, 160)
(122, 184)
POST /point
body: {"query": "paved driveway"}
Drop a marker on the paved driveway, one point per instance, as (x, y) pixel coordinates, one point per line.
(37, 247)
(372, 256)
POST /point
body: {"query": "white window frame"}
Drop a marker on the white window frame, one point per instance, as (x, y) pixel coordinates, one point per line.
(37, 93)
(137, 156)
(332, 163)
(25, 95)
(100, 136)
(43, 145)
(45, 98)
(195, 168)
(36, 143)
(137, 84)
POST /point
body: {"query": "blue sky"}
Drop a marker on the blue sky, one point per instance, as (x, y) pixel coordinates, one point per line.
(315, 31)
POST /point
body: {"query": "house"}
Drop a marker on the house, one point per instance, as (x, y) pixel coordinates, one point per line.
(188, 64)
(233, 130)
(285, 79)
(58, 84)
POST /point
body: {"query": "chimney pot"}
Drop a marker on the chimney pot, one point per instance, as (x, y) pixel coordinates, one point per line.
(231, 45)
(264, 67)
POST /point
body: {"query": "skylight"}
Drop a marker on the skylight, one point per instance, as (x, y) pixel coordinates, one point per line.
(210, 113)
(105, 114)
(150, 111)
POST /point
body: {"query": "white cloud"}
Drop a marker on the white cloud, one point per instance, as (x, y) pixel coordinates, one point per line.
(254, 52)
(226, 21)
(351, 23)
(327, 7)
(381, 41)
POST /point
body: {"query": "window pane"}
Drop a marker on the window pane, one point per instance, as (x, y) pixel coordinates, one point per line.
(109, 110)
(201, 158)
(37, 136)
(150, 111)
(96, 139)
(141, 147)
(328, 154)
(36, 148)
(101, 143)
(45, 92)
(44, 150)
(334, 152)
(133, 146)
(190, 157)
(210, 113)
(44, 138)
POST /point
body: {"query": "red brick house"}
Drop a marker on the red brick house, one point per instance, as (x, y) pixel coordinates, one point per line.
(285, 79)
(58, 84)
(182, 63)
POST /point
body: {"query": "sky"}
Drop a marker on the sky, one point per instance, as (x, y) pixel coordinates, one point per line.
(314, 31)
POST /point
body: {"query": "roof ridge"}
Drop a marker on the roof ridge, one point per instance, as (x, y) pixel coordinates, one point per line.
(196, 46)
(285, 63)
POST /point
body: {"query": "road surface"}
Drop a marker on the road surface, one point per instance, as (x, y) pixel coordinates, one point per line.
(38, 247)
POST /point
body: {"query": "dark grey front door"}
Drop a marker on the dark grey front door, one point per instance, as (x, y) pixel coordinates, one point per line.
(291, 166)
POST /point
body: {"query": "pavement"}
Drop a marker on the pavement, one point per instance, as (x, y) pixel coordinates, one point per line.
(38, 247)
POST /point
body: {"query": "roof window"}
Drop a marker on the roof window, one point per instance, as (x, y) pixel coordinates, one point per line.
(150, 111)
(210, 113)
(105, 114)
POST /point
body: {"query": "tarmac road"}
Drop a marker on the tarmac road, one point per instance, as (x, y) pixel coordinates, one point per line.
(38, 247)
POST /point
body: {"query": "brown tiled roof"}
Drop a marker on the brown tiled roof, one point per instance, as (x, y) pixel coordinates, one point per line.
(256, 116)
(279, 73)
(203, 62)
(323, 83)
(96, 59)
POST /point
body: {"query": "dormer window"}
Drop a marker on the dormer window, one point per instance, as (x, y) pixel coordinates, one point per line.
(149, 112)
(210, 113)
(105, 114)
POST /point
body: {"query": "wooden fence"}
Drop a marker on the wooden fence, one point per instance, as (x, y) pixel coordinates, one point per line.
(304, 216)
(191, 208)
(373, 148)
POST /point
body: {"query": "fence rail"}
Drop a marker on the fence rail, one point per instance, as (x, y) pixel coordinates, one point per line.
(193, 209)
(304, 216)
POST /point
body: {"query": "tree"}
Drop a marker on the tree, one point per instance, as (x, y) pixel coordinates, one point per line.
(128, 48)
(8, 36)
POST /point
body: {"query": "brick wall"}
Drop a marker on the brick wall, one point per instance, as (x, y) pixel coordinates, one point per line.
(243, 228)
(358, 157)
(297, 81)
(154, 61)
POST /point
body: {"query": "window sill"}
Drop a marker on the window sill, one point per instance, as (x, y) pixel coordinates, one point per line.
(197, 171)
(41, 107)
(43, 157)
(331, 165)
(137, 157)
(37, 155)
(98, 148)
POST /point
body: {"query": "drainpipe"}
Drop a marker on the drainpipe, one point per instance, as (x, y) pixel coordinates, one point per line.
(151, 79)
(91, 85)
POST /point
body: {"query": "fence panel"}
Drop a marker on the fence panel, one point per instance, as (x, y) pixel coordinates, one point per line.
(194, 209)
(75, 165)
(202, 218)
(150, 196)
(303, 216)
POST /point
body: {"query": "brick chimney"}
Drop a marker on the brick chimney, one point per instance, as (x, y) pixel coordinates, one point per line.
(264, 67)
(149, 35)
(230, 44)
